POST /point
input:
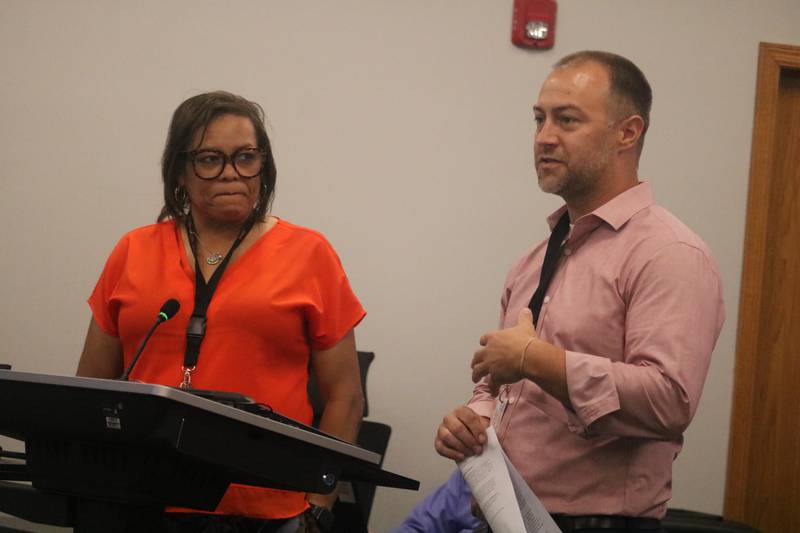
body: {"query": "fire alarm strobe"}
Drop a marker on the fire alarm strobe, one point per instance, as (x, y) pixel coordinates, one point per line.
(534, 23)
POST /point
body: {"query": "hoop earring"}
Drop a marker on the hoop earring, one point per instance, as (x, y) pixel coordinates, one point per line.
(181, 198)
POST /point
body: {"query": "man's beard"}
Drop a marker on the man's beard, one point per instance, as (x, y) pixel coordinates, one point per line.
(580, 180)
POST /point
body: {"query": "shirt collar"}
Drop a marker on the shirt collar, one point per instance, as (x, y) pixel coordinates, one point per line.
(616, 212)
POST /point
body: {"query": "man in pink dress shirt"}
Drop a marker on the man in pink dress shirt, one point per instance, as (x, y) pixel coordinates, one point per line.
(591, 402)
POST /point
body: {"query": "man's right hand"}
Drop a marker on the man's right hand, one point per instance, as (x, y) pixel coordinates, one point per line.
(461, 434)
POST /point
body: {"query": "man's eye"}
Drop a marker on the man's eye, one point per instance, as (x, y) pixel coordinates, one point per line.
(568, 120)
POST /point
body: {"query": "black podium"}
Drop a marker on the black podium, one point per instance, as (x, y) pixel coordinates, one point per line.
(106, 455)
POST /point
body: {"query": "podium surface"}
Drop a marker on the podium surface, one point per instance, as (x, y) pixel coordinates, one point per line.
(144, 444)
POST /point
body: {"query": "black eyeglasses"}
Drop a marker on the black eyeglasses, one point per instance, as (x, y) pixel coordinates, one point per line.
(209, 164)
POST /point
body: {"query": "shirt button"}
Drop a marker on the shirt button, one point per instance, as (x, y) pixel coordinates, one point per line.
(567, 251)
(546, 299)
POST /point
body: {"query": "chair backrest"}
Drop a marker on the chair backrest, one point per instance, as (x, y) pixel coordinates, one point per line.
(373, 436)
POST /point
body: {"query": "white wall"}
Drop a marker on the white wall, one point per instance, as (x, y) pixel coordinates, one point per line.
(402, 130)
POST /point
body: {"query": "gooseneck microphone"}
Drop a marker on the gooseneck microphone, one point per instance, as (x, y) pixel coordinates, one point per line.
(168, 310)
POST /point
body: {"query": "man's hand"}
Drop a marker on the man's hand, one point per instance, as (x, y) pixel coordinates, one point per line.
(461, 434)
(499, 359)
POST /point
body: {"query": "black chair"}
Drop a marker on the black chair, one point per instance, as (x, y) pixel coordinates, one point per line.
(683, 521)
(354, 507)
(364, 361)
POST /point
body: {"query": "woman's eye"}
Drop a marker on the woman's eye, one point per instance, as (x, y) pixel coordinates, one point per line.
(207, 159)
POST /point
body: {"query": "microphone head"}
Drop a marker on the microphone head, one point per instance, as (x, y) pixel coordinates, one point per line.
(169, 309)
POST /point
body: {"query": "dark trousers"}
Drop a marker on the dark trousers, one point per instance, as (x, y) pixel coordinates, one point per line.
(662, 530)
(205, 523)
(487, 529)
(618, 530)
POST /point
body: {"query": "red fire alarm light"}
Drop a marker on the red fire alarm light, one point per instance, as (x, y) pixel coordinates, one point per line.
(534, 23)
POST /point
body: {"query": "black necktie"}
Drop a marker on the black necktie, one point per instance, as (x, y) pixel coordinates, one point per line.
(551, 257)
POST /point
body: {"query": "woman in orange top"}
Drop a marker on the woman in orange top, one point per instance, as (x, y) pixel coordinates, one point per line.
(281, 301)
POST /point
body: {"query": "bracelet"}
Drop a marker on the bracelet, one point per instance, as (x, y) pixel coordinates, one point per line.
(522, 358)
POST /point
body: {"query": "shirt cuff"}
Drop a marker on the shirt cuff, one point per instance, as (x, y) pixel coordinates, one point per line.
(482, 407)
(592, 390)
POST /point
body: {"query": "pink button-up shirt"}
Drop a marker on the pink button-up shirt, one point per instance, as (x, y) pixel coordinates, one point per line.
(636, 303)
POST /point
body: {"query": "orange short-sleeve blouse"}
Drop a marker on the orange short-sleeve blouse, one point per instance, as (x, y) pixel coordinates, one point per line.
(284, 296)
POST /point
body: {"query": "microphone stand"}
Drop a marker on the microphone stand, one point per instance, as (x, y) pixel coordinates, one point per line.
(127, 373)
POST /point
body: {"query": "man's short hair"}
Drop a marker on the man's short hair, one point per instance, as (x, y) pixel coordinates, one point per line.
(629, 91)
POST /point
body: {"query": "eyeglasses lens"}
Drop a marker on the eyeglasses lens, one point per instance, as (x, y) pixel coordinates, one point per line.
(210, 164)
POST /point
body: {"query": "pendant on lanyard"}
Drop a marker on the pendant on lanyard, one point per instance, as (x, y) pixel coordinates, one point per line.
(196, 330)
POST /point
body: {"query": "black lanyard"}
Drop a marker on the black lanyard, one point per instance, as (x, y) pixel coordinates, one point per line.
(551, 257)
(203, 293)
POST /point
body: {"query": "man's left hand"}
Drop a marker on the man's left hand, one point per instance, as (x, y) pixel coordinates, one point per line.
(499, 359)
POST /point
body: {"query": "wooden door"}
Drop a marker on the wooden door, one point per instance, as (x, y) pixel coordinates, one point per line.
(763, 482)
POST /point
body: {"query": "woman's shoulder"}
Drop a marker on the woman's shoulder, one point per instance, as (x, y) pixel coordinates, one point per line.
(301, 241)
(147, 232)
(300, 233)
(139, 243)
(147, 236)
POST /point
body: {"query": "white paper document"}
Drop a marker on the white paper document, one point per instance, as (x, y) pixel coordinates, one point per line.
(507, 502)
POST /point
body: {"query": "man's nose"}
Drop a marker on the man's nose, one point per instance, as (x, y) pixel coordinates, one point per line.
(545, 134)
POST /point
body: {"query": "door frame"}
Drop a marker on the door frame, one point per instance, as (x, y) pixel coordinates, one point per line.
(773, 59)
